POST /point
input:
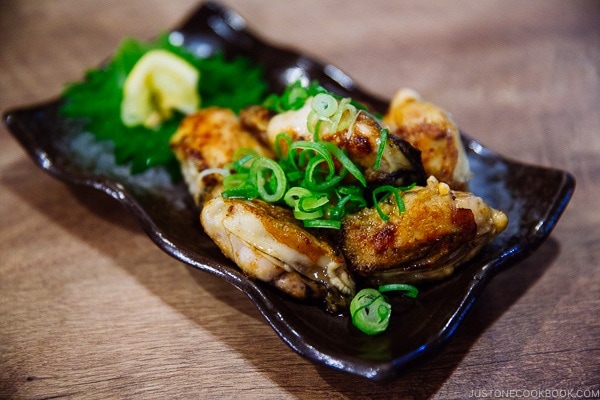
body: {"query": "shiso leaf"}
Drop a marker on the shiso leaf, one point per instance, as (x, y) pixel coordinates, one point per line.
(232, 83)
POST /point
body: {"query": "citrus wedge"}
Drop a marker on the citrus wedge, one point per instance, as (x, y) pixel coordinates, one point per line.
(159, 83)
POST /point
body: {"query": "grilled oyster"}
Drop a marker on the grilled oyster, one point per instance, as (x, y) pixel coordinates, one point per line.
(270, 245)
(264, 240)
(205, 142)
(439, 229)
(400, 162)
(442, 224)
(430, 129)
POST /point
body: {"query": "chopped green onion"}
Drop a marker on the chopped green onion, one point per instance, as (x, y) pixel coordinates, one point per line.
(264, 171)
(212, 171)
(328, 115)
(234, 180)
(305, 215)
(281, 155)
(345, 116)
(350, 190)
(382, 142)
(243, 159)
(312, 202)
(293, 97)
(247, 192)
(294, 194)
(409, 290)
(325, 105)
(318, 147)
(370, 311)
(310, 176)
(390, 189)
(295, 175)
(238, 186)
(342, 204)
(322, 223)
(346, 162)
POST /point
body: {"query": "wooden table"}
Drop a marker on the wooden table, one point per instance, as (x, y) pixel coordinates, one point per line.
(91, 308)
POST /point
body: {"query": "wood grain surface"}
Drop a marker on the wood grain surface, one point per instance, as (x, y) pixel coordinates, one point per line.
(90, 308)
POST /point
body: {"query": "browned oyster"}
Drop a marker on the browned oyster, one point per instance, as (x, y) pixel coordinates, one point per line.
(361, 138)
(264, 240)
(440, 226)
(439, 229)
(430, 129)
(270, 245)
(205, 142)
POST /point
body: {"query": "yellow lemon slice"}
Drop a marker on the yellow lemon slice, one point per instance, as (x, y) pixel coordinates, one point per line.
(159, 83)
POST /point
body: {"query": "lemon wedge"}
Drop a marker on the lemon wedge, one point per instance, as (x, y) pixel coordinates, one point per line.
(159, 83)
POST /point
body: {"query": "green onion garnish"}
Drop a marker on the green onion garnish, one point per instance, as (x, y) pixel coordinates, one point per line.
(324, 105)
(269, 179)
(307, 178)
(323, 223)
(293, 97)
(328, 114)
(370, 311)
(346, 162)
(409, 290)
(382, 142)
(390, 190)
(315, 178)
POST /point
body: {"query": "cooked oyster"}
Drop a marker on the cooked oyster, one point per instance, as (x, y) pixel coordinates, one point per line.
(206, 141)
(400, 162)
(439, 229)
(264, 240)
(431, 130)
(269, 244)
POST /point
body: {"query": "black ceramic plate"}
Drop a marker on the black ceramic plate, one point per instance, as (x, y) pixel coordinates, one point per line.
(533, 197)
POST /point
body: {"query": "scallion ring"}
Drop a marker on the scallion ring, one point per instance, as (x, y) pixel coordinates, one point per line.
(305, 146)
(312, 202)
(241, 192)
(294, 194)
(303, 215)
(238, 186)
(243, 159)
(314, 182)
(370, 311)
(344, 204)
(345, 116)
(295, 98)
(279, 152)
(264, 171)
(325, 105)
